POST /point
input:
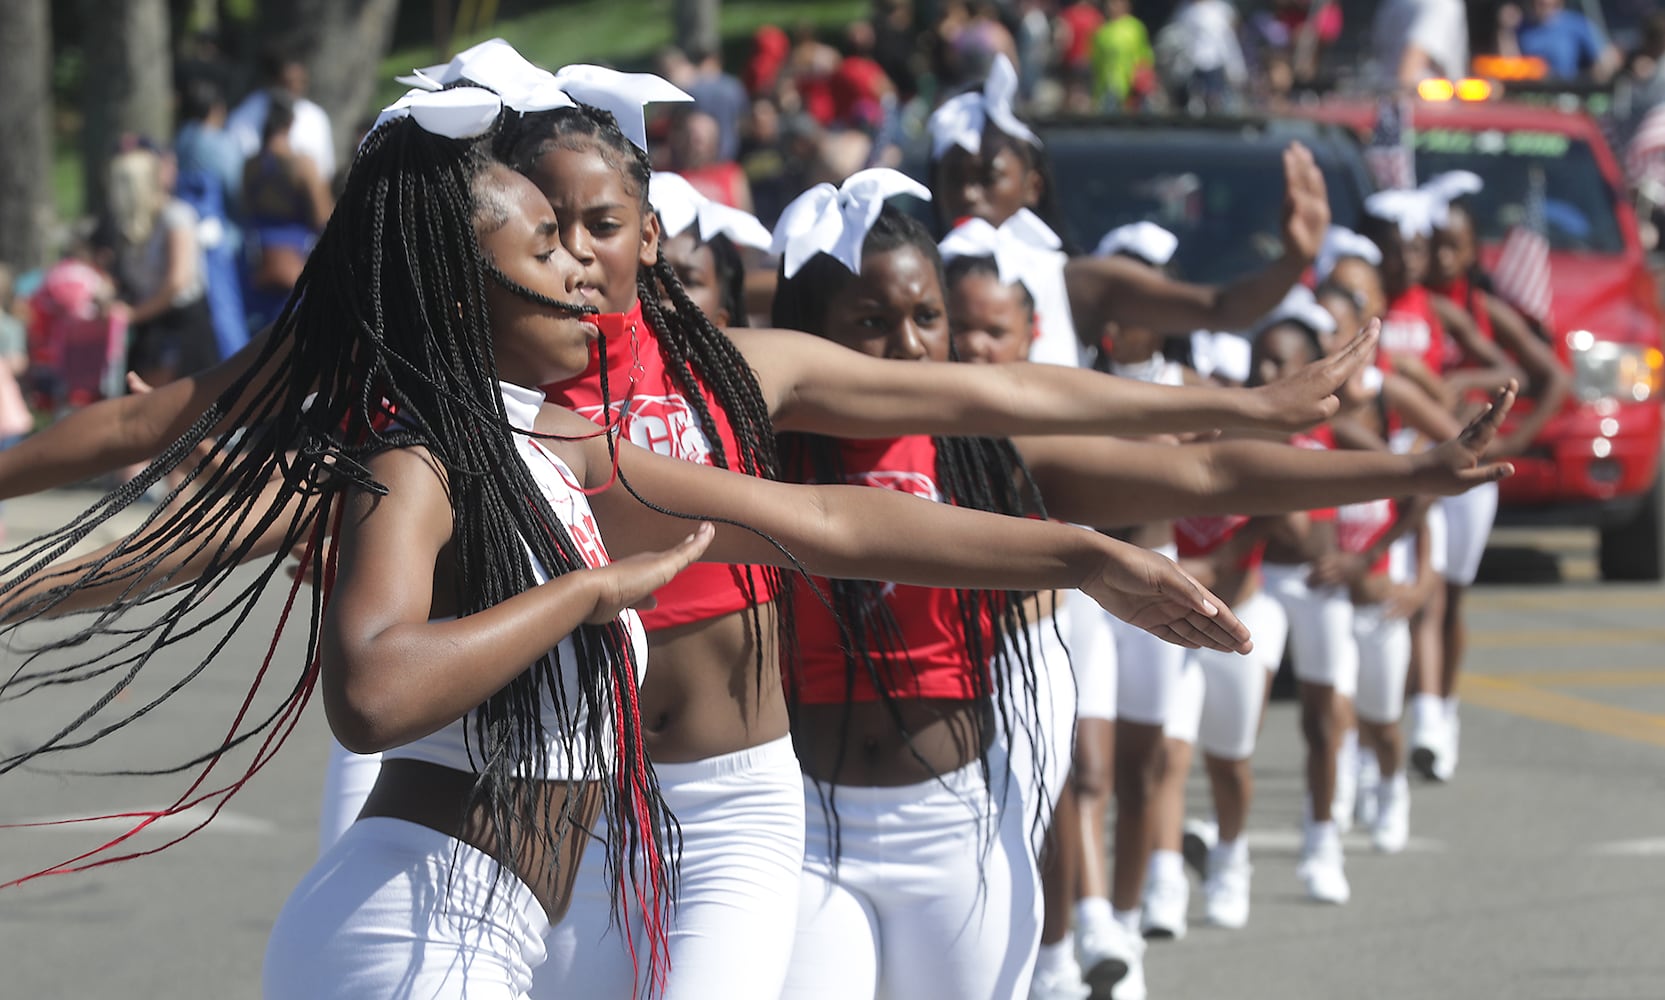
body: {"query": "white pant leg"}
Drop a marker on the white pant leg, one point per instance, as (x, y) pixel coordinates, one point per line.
(730, 935)
(1438, 534)
(1043, 728)
(1234, 685)
(1468, 526)
(948, 883)
(1185, 702)
(1320, 626)
(1092, 646)
(348, 778)
(1384, 660)
(395, 909)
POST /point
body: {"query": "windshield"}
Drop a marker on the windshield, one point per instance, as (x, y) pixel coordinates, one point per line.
(1578, 204)
(1222, 196)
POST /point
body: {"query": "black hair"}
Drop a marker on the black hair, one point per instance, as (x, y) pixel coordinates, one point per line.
(384, 343)
(982, 473)
(959, 268)
(280, 114)
(199, 94)
(730, 274)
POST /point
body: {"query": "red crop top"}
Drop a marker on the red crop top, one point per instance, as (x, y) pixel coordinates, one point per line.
(1359, 525)
(1320, 438)
(934, 664)
(1468, 298)
(1411, 328)
(1198, 537)
(661, 419)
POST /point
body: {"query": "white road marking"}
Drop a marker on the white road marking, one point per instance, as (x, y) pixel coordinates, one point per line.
(1647, 847)
(226, 822)
(1356, 842)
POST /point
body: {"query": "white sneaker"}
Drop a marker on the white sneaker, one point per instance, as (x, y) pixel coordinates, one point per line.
(1114, 962)
(1369, 785)
(1430, 738)
(1226, 893)
(1393, 816)
(1200, 837)
(1321, 866)
(1047, 986)
(1166, 903)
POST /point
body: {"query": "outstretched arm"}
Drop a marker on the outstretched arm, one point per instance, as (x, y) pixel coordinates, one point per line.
(1117, 289)
(1547, 380)
(1114, 483)
(811, 384)
(117, 432)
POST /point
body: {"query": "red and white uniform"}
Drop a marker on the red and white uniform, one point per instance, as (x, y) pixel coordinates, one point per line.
(1410, 328)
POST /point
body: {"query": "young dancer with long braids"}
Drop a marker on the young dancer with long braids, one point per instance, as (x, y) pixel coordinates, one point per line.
(431, 611)
(918, 880)
(701, 240)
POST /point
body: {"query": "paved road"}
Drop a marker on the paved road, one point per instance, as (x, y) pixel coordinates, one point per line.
(1538, 874)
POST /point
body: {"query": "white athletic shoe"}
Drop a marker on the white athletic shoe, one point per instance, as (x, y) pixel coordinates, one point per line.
(1114, 962)
(1446, 767)
(1200, 837)
(1430, 738)
(1046, 986)
(1226, 893)
(1166, 903)
(1321, 868)
(1369, 785)
(1393, 816)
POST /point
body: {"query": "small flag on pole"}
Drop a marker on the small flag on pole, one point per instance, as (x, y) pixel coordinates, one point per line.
(1522, 274)
(1390, 155)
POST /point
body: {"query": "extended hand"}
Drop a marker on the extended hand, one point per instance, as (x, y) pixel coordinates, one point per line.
(1148, 590)
(1337, 568)
(1308, 397)
(630, 582)
(1306, 205)
(1454, 467)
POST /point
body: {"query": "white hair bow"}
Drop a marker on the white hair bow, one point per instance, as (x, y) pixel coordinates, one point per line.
(1448, 187)
(835, 221)
(1413, 209)
(1023, 247)
(679, 206)
(525, 87)
(1300, 306)
(961, 119)
(1145, 240)
(459, 113)
(1340, 243)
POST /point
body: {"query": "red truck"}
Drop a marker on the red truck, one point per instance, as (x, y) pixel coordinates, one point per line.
(1598, 461)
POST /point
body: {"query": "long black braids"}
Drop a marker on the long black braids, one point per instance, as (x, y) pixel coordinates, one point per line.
(385, 343)
(698, 355)
(982, 473)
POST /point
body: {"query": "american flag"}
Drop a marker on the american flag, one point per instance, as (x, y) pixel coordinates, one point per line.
(1522, 272)
(1390, 155)
(1645, 156)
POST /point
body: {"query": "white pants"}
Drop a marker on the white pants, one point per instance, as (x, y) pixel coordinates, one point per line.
(742, 820)
(933, 897)
(1468, 525)
(1384, 659)
(1320, 627)
(1123, 672)
(396, 910)
(348, 778)
(1042, 728)
(1218, 701)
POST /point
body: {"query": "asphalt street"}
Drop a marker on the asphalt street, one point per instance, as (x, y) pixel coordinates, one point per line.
(1537, 874)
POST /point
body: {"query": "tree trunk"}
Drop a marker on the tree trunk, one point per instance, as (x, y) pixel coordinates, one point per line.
(342, 43)
(695, 22)
(129, 82)
(26, 152)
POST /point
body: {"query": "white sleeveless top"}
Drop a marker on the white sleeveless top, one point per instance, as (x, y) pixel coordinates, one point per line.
(1055, 341)
(1155, 369)
(452, 746)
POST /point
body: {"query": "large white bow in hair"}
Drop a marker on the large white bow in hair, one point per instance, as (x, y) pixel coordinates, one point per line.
(1448, 187)
(1412, 208)
(835, 220)
(961, 119)
(525, 87)
(1299, 306)
(459, 113)
(1145, 240)
(1341, 242)
(679, 206)
(1023, 247)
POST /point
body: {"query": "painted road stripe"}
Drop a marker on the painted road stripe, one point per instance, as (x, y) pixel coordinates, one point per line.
(1637, 677)
(1507, 695)
(1585, 635)
(226, 822)
(1646, 848)
(1290, 841)
(1481, 599)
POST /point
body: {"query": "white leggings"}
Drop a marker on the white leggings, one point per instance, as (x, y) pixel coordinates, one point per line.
(1468, 526)
(395, 909)
(1043, 728)
(933, 897)
(1384, 646)
(1218, 700)
(1123, 672)
(1320, 627)
(742, 819)
(348, 778)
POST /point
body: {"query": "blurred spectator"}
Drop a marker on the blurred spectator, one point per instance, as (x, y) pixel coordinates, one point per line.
(696, 153)
(896, 45)
(1566, 41)
(1035, 46)
(1646, 70)
(1412, 40)
(1077, 23)
(77, 334)
(721, 96)
(862, 95)
(14, 337)
(1295, 33)
(770, 47)
(286, 202)
(1200, 57)
(310, 133)
(157, 263)
(1123, 62)
(210, 179)
(977, 36)
(672, 64)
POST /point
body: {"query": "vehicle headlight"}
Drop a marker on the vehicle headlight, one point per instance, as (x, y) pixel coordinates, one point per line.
(1605, 369)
